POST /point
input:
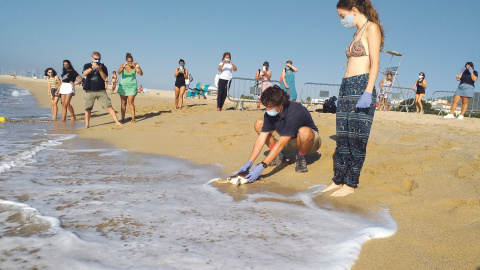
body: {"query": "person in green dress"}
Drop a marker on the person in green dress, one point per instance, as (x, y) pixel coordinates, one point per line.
(127, 88)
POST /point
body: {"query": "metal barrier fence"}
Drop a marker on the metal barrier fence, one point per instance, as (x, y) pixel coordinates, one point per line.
(396, 96)
(315, 94)
(443, 102)
(245, 90)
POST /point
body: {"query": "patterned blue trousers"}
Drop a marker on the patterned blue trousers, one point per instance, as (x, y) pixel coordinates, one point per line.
(353, 130)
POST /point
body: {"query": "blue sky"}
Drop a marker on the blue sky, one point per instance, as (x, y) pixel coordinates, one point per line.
(437, 37)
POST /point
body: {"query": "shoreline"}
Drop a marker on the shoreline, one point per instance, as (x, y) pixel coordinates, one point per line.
(408, 166)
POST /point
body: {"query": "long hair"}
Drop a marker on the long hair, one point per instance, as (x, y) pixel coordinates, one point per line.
(70, 64)
(225, 54)
(54, 72)
(274, 96)
(365, 7)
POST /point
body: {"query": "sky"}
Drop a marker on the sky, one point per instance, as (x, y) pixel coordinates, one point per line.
(437, 37)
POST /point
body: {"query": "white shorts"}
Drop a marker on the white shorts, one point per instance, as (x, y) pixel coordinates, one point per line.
(66, 89)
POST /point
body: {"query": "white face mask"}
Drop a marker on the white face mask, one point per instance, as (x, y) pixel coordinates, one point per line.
(420, 77)
(348, 21)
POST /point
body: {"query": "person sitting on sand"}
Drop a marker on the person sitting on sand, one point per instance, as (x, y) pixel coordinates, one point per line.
(357, 95)
(294, 124)
(94, 87)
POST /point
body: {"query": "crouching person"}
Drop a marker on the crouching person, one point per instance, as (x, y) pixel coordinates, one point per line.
(295, 127)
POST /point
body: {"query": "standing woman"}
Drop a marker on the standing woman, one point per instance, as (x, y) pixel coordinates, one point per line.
(127, 89)
(357, 95)
(113, 81)
(288, 80)
(53, 89)
(467, 77)
(263, 76)
(421, 85)
(226, 68)
(181, 74)
(385, 90)
(67, 89)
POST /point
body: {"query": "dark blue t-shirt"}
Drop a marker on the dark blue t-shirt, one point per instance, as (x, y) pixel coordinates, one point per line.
(467, 77)
(294, 117)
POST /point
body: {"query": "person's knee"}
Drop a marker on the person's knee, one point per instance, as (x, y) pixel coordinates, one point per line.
(305, 134)
(258, 125)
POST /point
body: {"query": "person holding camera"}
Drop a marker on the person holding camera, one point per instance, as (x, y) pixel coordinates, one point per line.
(113, 81)
(467, 77)
(94, 87)
(53, 88)
(225, 68)
(421, 85)
(287, 80)
(263, 77)
(181, 74)
(127, 89)
(67, 89)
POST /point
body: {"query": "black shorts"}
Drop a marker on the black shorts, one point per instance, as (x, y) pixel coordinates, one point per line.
(179, 84)
(53, 93)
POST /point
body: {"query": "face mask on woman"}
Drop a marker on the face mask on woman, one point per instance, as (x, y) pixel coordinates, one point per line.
(420, 77)
(66, 67)
(273, 112)
(50, 74)
(287, 68)
(348, 21)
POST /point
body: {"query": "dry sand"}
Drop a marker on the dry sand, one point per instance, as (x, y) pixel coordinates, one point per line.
(426, 168)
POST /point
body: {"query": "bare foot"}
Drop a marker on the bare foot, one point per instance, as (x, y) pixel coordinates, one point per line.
(118, 124)
(133, 121)
(86, 126)
(343, 191)
(331, 187)
(62, 121)
(73, 120)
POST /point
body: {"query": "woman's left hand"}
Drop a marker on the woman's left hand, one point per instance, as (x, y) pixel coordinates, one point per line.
(470, 70)
(365, 100)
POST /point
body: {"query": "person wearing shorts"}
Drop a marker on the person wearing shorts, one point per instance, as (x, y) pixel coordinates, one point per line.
(294, 124)
(53, 89)
(421, 85)
(94, 87)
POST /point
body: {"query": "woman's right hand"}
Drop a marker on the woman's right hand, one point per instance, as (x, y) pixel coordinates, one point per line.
(286, 86)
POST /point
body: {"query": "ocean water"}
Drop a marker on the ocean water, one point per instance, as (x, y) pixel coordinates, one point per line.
(71, 203)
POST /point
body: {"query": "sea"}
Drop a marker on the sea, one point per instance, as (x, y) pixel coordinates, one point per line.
(74, 203)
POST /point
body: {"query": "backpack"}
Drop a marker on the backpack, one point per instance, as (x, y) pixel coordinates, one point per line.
(329, 105)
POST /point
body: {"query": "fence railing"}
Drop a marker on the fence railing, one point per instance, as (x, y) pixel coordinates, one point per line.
(246, 90)
(315, 94)
(442, 101)
(397, 95)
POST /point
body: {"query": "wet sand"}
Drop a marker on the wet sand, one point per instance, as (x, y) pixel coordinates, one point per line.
(426, 168)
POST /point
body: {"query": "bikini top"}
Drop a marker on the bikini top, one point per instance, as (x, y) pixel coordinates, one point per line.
(356, 48)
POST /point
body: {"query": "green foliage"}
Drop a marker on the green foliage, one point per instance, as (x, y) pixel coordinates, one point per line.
(247, 97)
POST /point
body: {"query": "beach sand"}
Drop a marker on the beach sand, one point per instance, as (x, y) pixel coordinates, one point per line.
(424, 167)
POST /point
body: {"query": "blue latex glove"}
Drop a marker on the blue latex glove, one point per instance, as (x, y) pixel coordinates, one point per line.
(254, 173)
(463, 69)
(246, 167)
(365, 101)
(470, 70)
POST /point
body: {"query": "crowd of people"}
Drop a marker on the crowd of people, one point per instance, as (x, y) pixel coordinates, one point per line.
(286, 125)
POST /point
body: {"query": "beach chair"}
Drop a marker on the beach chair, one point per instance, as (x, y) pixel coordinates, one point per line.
(203, 92)
(192, 92)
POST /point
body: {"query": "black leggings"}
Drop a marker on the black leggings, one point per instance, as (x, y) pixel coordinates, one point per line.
(223, 86)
